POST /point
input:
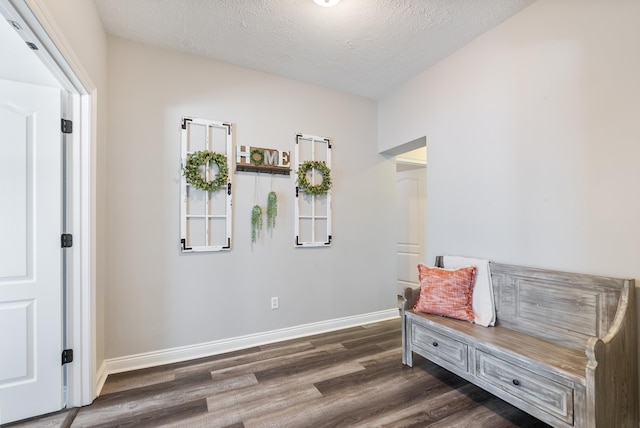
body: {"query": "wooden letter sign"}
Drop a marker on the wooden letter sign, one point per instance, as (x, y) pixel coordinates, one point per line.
(259, 159)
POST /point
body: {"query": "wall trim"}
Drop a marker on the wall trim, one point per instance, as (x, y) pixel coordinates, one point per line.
(101, 377)
(184, 353)
(410, 161)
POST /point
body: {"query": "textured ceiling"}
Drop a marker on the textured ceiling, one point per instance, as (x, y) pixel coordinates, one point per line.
(364, 47)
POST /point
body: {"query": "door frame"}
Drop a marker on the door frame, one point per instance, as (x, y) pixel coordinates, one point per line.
(80, 107)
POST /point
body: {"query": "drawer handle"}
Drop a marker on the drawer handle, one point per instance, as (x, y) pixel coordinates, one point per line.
(516, 382)
(435, 343)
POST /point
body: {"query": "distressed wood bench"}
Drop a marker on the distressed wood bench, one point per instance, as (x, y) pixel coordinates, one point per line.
(563, 348)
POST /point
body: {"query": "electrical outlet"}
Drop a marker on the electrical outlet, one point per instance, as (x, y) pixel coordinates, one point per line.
(274, 303)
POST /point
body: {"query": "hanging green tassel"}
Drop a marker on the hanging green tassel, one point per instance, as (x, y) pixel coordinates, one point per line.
(256, 222)
(272, 210)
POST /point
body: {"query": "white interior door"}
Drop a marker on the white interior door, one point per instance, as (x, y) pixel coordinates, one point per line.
(30, 255)
(411, 208)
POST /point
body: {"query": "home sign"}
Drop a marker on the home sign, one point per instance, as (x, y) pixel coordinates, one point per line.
(259, 159)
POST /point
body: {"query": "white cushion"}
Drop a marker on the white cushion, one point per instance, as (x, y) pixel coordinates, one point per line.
(482, 300)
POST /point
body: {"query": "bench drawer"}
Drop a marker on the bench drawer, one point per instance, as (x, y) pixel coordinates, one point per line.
(440, 346)
(537, 390)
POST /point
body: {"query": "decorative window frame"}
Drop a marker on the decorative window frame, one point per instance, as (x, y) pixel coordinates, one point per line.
(306, 205)
(209, 242)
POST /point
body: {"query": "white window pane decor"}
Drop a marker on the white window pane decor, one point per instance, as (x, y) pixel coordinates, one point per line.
(206, 163)
(313, 206)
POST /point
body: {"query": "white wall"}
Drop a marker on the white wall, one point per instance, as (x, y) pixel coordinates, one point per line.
(532, 137)
(158, 298)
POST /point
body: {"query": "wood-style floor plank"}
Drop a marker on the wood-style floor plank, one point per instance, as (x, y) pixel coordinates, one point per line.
(259, 358)
(149, 400)
(348, 378)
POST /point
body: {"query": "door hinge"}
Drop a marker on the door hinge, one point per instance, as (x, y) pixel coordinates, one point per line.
(66, 126)
(66, 240)
(67, 356)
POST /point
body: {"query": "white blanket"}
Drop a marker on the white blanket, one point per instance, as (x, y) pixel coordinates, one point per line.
(482, 300)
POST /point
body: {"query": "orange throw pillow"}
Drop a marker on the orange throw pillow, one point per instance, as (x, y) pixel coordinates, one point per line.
(446, 292)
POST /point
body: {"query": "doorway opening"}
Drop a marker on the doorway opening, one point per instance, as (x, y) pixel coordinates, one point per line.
(411, 212)
(36, 62)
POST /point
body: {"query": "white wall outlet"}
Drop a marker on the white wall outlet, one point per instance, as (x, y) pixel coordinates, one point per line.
(274, 303)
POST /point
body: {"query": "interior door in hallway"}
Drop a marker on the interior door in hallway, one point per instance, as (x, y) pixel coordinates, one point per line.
(411, 212)
(30, 255)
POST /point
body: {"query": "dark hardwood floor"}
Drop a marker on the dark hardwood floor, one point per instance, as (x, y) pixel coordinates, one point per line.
(352, 377)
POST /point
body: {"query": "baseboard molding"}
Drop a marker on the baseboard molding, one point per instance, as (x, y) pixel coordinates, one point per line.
(184, 353)
(101, 377)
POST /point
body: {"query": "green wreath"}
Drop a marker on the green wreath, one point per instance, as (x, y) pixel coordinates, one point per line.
(303, 182)
(196, 160)
(260, 154)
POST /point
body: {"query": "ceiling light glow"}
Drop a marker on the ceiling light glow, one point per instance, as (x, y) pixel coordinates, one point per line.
(327, 3)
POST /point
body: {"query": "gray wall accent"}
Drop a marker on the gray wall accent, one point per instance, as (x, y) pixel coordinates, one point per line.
(157, 298)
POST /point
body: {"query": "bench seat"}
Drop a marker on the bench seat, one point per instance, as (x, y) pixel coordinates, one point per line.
(530, 351)
(563, 348)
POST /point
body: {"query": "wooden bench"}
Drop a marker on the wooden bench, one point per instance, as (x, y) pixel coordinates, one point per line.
(563, 348)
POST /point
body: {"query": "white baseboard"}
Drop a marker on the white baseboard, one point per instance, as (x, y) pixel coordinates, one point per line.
(184, 353)
(101, 377)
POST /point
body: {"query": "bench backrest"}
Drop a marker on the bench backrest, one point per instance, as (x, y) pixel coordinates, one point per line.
(564, 308)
